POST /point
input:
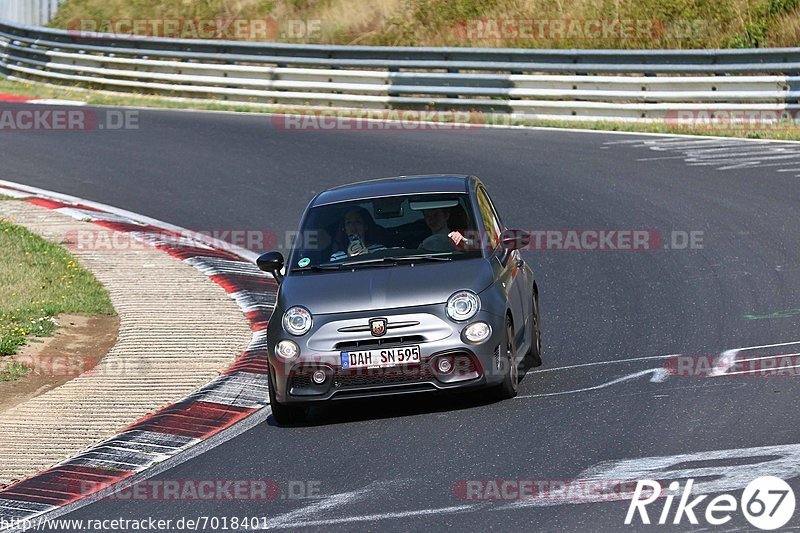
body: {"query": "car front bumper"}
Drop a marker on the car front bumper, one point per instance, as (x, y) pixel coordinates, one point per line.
(436, 335)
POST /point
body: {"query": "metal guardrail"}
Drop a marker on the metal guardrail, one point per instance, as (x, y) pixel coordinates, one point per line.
(35, 12)
(586, 84)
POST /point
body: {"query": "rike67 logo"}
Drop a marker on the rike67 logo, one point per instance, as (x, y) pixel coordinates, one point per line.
(768, 503)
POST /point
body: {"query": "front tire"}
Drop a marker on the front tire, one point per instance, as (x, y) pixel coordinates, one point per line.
(534, 355)
(283, 414)
(508, 388)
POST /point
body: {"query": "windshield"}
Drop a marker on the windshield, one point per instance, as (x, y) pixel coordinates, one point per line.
(387, 231)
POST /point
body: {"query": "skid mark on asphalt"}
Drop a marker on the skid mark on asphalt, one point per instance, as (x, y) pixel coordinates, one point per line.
(726, 154)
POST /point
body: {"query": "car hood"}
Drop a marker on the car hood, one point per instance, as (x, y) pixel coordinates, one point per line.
(369, 289)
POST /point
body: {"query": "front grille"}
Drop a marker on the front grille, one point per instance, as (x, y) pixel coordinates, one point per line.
(385, 376)
(301, 381)
(379, 341)
(464, 368)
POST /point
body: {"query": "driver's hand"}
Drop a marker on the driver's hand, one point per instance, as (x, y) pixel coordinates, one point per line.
(459, 241)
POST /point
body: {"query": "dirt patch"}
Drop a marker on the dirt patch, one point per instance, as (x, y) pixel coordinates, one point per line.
(77, 346)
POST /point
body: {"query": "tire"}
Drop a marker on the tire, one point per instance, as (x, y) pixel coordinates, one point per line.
(508, 388)
(283, 414)
(534, 355)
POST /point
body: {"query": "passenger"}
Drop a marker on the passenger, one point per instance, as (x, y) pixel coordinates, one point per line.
(360, 232)
(442, 238)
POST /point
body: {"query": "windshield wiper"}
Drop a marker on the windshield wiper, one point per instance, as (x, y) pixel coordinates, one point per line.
(375, 261)
(393, 260)
(318, 268)
(420, 258)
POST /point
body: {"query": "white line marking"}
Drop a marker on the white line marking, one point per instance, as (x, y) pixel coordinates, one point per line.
(702, 155)
(724, 369)
(13, 194)
(711, 467)
(781, 461)
(767, 357)
(652, 357)
(329, 502)
(659, 376)
(757, 371)
(728, 358)
(55, 101)
(599, 363)
(381, 516)
(724, 362)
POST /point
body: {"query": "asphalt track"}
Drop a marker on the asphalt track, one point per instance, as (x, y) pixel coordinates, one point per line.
(396, 464)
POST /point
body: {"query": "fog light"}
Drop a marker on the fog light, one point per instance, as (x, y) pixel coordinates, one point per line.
(444, 365)
(477, 333)
(287, 349)
(318, 377)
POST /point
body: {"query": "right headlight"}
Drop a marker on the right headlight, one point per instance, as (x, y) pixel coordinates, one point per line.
(297, 320)
(463, 305)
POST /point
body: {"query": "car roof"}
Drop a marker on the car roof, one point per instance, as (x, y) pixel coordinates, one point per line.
(429, 183)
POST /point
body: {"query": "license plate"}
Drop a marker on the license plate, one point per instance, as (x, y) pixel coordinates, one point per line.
(383, 357)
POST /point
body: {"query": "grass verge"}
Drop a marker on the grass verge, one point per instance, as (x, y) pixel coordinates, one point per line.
(13, 370)
(785, 131)
(40, 280)
(649, 24)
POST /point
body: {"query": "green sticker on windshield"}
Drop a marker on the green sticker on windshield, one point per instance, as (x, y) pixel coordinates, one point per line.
(304, 262)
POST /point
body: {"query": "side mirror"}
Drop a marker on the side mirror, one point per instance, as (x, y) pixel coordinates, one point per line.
(271, 262)
(515, 239)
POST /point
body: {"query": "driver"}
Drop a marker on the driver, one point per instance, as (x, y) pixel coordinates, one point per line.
(359, 228)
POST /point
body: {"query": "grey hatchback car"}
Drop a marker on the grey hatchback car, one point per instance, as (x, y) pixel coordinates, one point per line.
(400, 285)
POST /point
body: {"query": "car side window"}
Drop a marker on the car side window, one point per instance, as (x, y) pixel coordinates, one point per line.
(490, 222)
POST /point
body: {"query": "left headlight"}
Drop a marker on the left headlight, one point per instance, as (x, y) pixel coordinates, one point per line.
(463, 305)
(297, 320)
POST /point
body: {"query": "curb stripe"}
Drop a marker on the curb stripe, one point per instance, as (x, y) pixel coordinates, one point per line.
(6, 97)
(194, 419)
(33, 490)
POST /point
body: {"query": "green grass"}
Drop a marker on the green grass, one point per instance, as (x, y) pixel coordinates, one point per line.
(11, 370)
(676, 23)
(40, 280)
